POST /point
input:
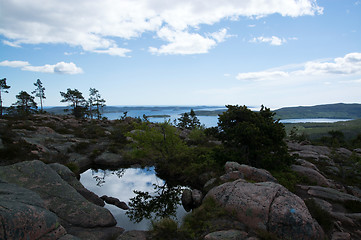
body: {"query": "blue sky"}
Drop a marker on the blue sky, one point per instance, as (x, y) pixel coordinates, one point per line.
(206, 52)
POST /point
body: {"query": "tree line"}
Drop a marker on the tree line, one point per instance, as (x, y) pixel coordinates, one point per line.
(80, 107)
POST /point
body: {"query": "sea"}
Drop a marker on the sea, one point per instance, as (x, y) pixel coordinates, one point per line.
(175, 112)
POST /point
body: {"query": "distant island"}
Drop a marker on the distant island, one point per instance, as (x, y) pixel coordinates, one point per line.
(338, 110)
(335, 111)
(158, 116)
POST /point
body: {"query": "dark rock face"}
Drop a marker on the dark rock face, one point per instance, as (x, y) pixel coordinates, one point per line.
(58, 195)
(109, 159)
(23, 215)
(187, 201)
(197, 197)
(191, 199)
(226, 235)
(115, 201)
(268, 206)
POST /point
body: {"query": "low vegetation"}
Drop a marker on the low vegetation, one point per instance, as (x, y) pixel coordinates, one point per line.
(196, 225)
(316, 131)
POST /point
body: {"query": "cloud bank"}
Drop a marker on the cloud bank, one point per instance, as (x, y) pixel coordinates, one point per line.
(60, 67)
(348, 65)
(97, 25)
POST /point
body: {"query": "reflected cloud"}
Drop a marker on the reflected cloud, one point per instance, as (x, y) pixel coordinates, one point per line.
(121, 184)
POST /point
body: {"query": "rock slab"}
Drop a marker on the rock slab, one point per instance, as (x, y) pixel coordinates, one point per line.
(268, 206)
(59, 197)
(23, 215)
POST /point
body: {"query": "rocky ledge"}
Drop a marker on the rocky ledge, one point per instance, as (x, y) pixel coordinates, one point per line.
(37, 203)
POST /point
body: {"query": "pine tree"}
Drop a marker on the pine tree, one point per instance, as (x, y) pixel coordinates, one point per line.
(39, 92)
(25, 104)
(78, 103)
(95, 100)
(3, 89)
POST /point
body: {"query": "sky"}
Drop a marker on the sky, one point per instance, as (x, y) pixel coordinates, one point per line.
(278, 53)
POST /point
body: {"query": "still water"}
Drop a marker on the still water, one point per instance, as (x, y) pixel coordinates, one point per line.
(208, 121)
(313, 120)
(121, 184)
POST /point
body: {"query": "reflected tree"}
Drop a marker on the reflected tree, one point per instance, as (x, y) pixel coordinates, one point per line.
(100, 178)
(163, 203)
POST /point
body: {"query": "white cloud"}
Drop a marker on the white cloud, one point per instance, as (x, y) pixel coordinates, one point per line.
(14, 64)
(96, 25)
(220, 36)
(11, 44)
(265, 75)
(181, 42)
(275, 41)
(348, 65)
(60, 67)
(115, 51)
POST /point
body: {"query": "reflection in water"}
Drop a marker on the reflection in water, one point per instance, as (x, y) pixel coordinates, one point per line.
(100, 179)
(147, 195)
(160, 205)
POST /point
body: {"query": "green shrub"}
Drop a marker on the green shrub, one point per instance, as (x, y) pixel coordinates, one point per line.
(197, 136)
(73, 167)
(289, 179)
(253, 138)
(81, 147)
(164, 229)
(198, 223)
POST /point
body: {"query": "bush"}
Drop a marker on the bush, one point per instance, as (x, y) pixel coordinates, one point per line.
(289, 179)
(164, 229)
(197, 136)
(198, 223)
(73, 167)
(253, 138)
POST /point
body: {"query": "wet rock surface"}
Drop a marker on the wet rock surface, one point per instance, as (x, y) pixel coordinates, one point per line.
(115, 201)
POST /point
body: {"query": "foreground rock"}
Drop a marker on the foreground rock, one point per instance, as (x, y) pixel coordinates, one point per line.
(73, 210)
(268, 206)
(23, 215)
(71, 179)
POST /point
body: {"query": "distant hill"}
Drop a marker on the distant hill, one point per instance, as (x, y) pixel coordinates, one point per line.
(339, 110)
